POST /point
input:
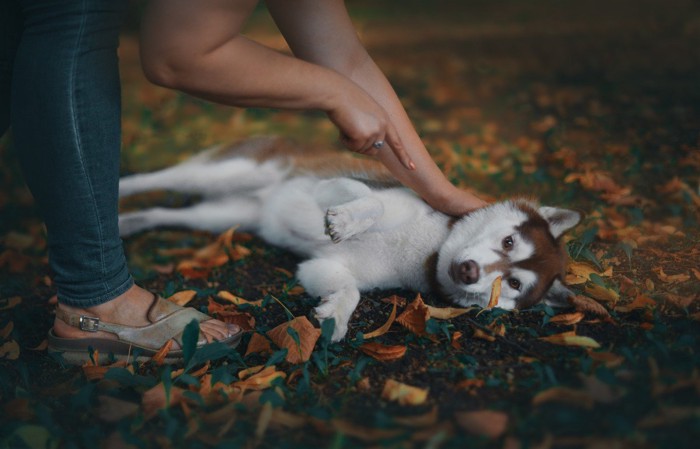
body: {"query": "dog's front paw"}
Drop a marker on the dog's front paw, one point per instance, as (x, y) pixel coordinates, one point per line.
(327, 310)
(341, 225)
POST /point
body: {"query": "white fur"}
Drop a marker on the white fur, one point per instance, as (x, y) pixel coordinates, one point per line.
(356, 238)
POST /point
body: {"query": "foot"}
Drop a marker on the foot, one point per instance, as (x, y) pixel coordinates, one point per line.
(130, 309)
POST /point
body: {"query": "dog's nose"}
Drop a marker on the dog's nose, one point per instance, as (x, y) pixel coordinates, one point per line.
(466, 272)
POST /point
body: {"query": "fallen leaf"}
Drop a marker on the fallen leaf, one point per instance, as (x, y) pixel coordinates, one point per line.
(428, 419)
(483, 335)
(237, 300)
(244, 320)
(183, 297)
(668, 416)
(681, 301)
(393, 299)
(609, 359)
(488, 423)
(7, 330)
(415, 316)
(18, 241)
(580, 272)
(696, 273)
(587, 305)
(258, 344)
(159, 357)
(308, 335)
(383, 353)
(564, 395)
(9, 350)
(602, 293)
(383, 329)
(9, 303)
(155, 399)
(640, 302)
(261, 380)
(403, 394)
(247, 372)
(364, 434)
(96, 371)
(454, 341)
(495, 293)
(287, 420)
(571, 339)
(447, 313)
(469, 384)
(673, 278)
(567, 318)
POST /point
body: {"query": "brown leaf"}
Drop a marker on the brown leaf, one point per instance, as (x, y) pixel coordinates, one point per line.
(259, 381)
(383, 353)
(454, 341)
(587, 305)
(696, 273)
(415, 316)
(580, 272)
(567, 318)
(383, 329)
(244, 320)
(609, 359)
(97, 372)
(681, 301)
(403, 394)
(308, 335)
(428, 419)
(155, 399)
(9, 303)
(564, 395)
(483, 335)
(7, 330)
(183, 297)
(237, 300)
(365, 434)
(571, 339)
(488, 423)
(9, 350)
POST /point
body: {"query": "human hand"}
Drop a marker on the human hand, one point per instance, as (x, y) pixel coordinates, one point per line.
(458, 202)
(363, 123)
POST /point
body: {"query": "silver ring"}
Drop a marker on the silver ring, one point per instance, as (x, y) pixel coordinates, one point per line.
(378, 144)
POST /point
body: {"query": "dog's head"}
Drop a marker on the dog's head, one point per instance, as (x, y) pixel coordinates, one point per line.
(516, 240)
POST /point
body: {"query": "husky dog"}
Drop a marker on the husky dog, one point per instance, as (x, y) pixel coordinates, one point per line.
(360, 230)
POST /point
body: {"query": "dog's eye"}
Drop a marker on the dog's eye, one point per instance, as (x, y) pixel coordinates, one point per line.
(508, 242)
(514, 283)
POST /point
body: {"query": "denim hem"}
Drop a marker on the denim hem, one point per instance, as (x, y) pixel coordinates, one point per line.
(122, 288)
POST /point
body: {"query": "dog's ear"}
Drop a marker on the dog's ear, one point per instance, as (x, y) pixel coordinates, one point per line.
(558, 295)
(560, 220)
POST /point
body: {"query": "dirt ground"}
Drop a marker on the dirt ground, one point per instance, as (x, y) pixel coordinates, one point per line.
(590, 105)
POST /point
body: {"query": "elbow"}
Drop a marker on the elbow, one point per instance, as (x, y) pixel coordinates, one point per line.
(164, 71)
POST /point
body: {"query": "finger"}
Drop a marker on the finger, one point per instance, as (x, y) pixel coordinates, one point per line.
(394, 141)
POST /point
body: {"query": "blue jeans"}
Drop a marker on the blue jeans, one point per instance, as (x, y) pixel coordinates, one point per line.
(59, 68)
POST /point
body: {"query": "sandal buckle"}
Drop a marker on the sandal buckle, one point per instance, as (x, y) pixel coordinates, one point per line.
(89, 324)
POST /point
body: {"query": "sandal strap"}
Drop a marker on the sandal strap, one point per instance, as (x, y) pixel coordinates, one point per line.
(153, 335)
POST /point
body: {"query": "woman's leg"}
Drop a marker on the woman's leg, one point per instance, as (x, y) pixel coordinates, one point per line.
(66, 125)
(10, 31)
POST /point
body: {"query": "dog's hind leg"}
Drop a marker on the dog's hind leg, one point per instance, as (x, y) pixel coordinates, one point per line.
(213, 216)
(211, 179)
(336, 286)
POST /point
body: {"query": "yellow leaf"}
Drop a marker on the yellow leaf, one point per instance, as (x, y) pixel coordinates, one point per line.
(601, 293)
(183, 297)
(237, 300)
(260, 380)
(385, 327)
(495, 293)
(403, 394)
(488, 423)
(447, 313)
(579, 273)
(682, 277)
(571, 339)
(567, 318)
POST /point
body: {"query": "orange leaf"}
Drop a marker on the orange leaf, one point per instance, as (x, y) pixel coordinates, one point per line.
(260, 380)
(696, 272)
(237, 300)
(495, 293)
(682, 277)
(383, 353)
(385, 327)
(159, 357)
(478, 333)
(488, 423)
(640, 302)
(564, 395)
(579, 273)
(455, 343)
(183, 297)
(567, 318)
(414, 316)
(609, 359)
(602, 293)
(681, 301)
(308, 334)
(258, 343)
(403, 394)
(155, 399)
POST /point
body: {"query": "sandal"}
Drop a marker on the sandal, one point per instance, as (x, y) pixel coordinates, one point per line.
(168, 321)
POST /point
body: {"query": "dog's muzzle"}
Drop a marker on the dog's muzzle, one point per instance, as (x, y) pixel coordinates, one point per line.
(465, 272)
